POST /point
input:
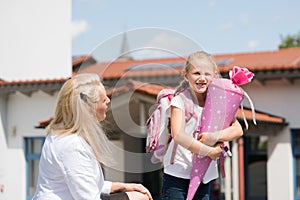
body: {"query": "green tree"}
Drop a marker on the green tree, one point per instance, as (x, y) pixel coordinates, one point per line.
(290, 41)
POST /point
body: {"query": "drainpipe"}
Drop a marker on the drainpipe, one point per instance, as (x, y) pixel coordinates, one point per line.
(235, 171)
(142, 119)
(241, 169)
(227, 166)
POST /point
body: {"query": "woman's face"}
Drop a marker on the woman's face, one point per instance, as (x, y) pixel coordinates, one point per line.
(200, 75)
(102, 104)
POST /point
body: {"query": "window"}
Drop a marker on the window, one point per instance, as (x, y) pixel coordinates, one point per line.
(33, 149)
(256, 167)
(296, 157)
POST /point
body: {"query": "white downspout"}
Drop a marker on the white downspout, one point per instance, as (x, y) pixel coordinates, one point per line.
(235, 171)
(228, 178)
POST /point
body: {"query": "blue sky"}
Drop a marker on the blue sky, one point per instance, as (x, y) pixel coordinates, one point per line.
(218, 26)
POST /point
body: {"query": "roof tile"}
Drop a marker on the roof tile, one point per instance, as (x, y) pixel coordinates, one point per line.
(256, 61)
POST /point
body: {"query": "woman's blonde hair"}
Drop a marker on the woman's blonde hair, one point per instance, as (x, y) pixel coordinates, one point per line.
(205, 57)
(76, 113)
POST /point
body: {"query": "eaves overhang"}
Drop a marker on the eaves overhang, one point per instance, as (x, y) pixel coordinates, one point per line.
(28, 87)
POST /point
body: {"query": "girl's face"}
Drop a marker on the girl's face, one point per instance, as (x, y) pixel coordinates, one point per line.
(102, 104)
(200, 75)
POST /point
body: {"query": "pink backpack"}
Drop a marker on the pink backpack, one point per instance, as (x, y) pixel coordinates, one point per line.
(157, 125)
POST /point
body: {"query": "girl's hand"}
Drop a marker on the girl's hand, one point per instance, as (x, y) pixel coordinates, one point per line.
(201, 137)
(216, 151)
(209, 138)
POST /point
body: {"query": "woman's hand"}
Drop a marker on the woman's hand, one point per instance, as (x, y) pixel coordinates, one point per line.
(134, 191)
(137, 187)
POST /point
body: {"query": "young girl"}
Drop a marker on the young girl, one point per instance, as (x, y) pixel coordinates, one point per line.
(76, 146)
(200, 69)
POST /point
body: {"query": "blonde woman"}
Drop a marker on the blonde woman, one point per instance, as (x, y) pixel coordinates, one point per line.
(76, 146)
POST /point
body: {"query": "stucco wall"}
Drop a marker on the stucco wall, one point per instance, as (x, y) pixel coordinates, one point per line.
(35, 44)
(279, 98)
(280, 167)
(24, 113)
(12, 171)
(35, 39)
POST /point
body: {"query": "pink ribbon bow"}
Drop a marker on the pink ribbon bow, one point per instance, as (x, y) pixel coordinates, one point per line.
(240, 76)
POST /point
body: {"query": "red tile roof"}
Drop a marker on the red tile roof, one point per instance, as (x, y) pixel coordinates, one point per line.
(260, 116)
(118, 69)
(24, 82)
(268, 60)
(44, 123)
(257, 61)
(77, 60)
(145, 88)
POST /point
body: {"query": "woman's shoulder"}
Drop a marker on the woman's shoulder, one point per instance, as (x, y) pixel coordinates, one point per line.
(68, 142)
(64, 138)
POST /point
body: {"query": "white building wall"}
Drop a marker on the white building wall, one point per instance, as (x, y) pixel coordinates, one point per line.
(35, 44)
(35, 39)
(3, 112)
(280, 167)
(280, 98)
(25, 112)
(11, 171)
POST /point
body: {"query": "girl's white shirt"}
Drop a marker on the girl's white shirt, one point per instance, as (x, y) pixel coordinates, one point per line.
(184, 158)
(68, 169)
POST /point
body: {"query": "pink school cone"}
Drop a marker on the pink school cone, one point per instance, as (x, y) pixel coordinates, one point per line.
(222, 102)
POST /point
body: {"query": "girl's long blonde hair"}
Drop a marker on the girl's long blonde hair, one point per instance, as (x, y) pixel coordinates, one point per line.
(204, 57)
(76, 114)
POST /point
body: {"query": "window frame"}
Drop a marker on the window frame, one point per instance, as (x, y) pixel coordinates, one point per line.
(30, 157)
(296, 152)
(252, 153)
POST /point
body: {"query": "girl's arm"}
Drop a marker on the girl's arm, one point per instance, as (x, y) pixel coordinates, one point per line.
(232, 132)
(228, 134)
(187, 141)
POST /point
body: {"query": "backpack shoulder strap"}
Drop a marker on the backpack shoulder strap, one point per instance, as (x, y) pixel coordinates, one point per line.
(189, 105)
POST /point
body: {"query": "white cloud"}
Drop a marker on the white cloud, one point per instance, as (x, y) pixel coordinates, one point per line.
(211, 3)
(253, 44)
(227, 27)
(79, 27)
(245, 20)
(276, 19)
